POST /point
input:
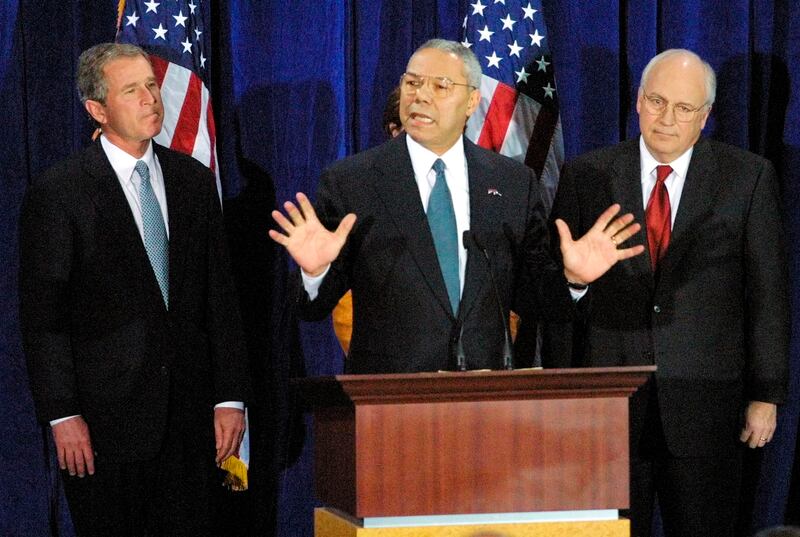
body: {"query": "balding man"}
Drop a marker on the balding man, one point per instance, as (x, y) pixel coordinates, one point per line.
(419, 290)
(707, 303)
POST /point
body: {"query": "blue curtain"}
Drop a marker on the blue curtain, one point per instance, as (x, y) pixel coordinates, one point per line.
(300, 85)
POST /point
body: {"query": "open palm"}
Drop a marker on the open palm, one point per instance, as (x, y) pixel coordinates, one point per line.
(592, 255)
(309, 243)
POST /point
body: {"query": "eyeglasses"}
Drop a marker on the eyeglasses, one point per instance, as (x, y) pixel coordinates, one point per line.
(440, 86)
(656, 105)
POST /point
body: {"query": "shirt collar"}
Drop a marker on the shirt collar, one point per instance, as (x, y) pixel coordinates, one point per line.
(422, 159)
(680, 166)
(123, 162)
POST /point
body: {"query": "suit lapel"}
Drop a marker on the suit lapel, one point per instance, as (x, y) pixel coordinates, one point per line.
(116, 222)
(701, 187)
(626, 189)
(395, 185)
(483, 214)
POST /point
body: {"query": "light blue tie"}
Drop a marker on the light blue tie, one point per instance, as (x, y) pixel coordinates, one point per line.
(155, 233)
(442, 221)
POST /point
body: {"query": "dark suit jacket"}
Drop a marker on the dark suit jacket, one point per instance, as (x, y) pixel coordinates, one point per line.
(98, 339)
(402, 320)
(715, 316)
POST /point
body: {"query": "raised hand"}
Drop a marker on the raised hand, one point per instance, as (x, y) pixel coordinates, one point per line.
(305, 238)
(592, 255)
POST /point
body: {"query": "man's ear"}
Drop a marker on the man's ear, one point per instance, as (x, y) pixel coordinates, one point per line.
(97, 110)
(474, 100)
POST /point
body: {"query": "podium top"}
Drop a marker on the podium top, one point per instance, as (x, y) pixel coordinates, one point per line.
(474, 385)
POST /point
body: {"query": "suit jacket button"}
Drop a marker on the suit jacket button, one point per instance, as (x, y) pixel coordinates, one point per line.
(164, 370)
(657, 309)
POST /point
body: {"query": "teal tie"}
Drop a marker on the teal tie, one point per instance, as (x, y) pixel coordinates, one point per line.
(442, 221)
(155, 233)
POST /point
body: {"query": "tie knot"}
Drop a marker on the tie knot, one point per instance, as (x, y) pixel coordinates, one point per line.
(438, 166)
(142, 169)
(662, 172)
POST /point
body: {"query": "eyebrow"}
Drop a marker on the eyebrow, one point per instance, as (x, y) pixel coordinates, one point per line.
(134, 84)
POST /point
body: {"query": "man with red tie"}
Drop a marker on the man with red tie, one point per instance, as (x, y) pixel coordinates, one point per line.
(707, 303)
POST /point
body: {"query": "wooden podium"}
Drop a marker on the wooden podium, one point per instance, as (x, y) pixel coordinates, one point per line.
(427, 444)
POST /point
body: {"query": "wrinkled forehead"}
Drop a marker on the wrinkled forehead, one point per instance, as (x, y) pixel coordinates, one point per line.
(435, 62)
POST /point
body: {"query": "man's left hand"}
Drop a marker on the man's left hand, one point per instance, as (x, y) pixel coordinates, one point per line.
(228, 431)
(760, 420)
(592, 255)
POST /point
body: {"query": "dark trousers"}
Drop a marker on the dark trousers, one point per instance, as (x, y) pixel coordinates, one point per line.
(697, 496)
(169, 495)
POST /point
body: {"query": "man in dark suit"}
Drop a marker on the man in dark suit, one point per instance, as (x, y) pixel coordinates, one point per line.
(419, 292)
(129, 316)
(707, 303)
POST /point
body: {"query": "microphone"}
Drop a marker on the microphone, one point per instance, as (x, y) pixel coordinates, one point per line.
(508, 353)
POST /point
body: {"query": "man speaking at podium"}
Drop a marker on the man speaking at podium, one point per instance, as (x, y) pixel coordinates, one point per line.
(422, 287)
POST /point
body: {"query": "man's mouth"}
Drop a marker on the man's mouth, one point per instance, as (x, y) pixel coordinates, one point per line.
(420, 118)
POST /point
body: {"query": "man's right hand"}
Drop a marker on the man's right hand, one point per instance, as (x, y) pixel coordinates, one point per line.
(74, 446)
(308, 242)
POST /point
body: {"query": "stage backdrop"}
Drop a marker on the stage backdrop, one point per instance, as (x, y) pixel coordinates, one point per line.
(297, 85)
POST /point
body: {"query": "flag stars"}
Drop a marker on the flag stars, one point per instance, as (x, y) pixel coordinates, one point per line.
(515, 49)
(193, 6)
(152, 5)
(536, 39)
(486, 34)
(198, 33)
(180, 19)
(464, 25)
(548, 90)
(542, 64)
(508, 23)
(477, 8)
(500, 2)
(466, 43)
(529, 11)
(522, 76)
(161, 32)
(202, 61)
(187, 45)
(132, 20)
(494, 60)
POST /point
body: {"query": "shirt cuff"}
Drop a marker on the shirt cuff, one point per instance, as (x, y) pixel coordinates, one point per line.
(230, 404)
(312, 283)
(59, 420)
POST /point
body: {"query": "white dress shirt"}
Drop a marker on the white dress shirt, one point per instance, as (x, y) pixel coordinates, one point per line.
(674, 181)
(123, 164)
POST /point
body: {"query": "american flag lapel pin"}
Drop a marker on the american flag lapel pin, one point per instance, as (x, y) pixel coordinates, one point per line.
(494, 192)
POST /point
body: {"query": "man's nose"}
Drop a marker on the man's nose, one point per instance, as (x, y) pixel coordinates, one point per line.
(668, 115)
(424, 93)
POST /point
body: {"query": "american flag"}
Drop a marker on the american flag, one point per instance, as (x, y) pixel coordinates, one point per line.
(518, 113)
(174, 33)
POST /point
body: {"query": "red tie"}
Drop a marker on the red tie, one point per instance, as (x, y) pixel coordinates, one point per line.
(658, 217)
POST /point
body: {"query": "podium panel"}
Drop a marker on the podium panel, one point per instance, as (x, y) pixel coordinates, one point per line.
(432, 444)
